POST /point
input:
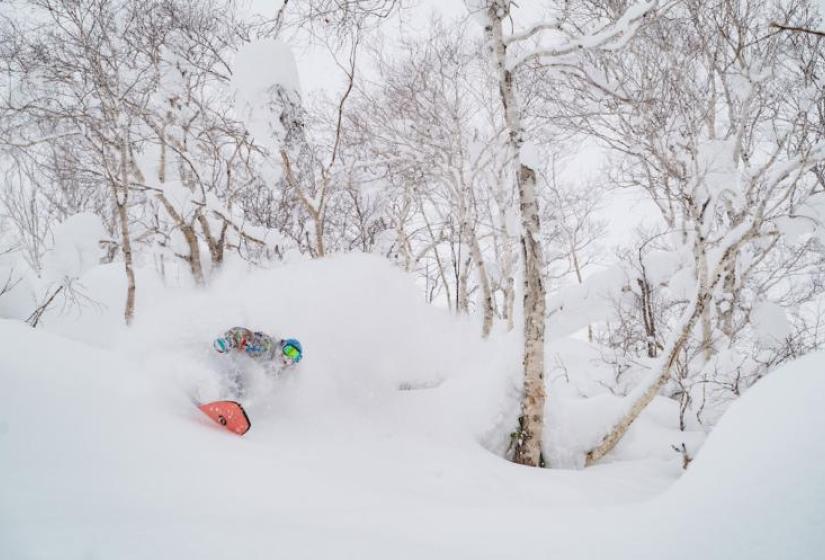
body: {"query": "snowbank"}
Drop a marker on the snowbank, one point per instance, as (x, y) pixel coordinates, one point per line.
(370, 450)
(757, 488)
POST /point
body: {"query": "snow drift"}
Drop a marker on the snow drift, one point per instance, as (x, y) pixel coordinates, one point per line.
(372, 449)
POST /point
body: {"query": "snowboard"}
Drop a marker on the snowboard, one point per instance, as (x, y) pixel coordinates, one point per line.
(229, 414)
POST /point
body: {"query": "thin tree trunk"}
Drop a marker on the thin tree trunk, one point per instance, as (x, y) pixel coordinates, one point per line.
(578, 271)
(163, 150)
(700, 254)
(462, 291)
(509, 281)
(318, 218)
(194, 256)
(403, 239)
(486, 290)
(441, 272)
(126, 244)
(504, 255)
(647, 316)
(126, 247)
(729, 289)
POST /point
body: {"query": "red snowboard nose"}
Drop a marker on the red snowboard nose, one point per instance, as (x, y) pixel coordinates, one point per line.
(228, 414)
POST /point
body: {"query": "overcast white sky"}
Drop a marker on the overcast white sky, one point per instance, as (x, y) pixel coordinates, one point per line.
(319, 72)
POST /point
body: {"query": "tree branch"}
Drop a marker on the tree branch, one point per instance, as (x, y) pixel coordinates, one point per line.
(785, 27)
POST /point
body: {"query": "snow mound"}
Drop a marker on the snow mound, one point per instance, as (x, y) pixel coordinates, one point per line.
(755, 491)
(370, 450)
(757, 488)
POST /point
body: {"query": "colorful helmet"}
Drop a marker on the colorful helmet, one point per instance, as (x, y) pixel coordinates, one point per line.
(292, 349)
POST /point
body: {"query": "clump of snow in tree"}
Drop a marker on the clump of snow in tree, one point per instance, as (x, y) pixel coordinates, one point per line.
(770, 323)
(660, 266)
(530, 155)
(260, 67)
(77, 247)
(575, 306)
(261, 64)
(808, 219)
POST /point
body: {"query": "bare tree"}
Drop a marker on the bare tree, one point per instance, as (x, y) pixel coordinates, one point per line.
(726, 165)
(422, 125)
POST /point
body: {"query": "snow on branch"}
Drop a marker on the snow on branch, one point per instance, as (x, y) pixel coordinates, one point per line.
(524, 35)
(611, 37)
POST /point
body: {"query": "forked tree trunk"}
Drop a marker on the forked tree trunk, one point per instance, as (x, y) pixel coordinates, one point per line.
(191, 238)
(531, 423)
(188, 231)
(216, 245)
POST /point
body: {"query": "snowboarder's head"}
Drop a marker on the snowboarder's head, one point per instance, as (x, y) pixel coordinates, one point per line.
(291, 351)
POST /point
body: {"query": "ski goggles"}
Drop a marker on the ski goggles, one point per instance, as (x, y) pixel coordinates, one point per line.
(291, 352)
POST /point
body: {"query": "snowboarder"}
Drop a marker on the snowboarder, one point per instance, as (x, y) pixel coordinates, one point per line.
(272, 353)
(262, 347)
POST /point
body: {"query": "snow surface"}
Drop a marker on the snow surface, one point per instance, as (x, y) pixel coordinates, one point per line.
(378, 446)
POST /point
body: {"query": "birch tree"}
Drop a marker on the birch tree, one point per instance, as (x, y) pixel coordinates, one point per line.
(508, 58)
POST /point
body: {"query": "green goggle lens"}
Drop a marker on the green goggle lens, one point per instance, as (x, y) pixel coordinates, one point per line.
(291, 352)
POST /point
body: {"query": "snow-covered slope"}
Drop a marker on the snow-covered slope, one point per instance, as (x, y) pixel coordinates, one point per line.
(103, 456)
(757, 488)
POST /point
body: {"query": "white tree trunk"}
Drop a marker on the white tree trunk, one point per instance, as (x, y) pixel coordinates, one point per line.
(486, 290)
(121, 200)
(701, 259)
(531, 423)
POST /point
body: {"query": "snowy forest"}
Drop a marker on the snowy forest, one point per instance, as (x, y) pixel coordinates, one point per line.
(562, 234)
